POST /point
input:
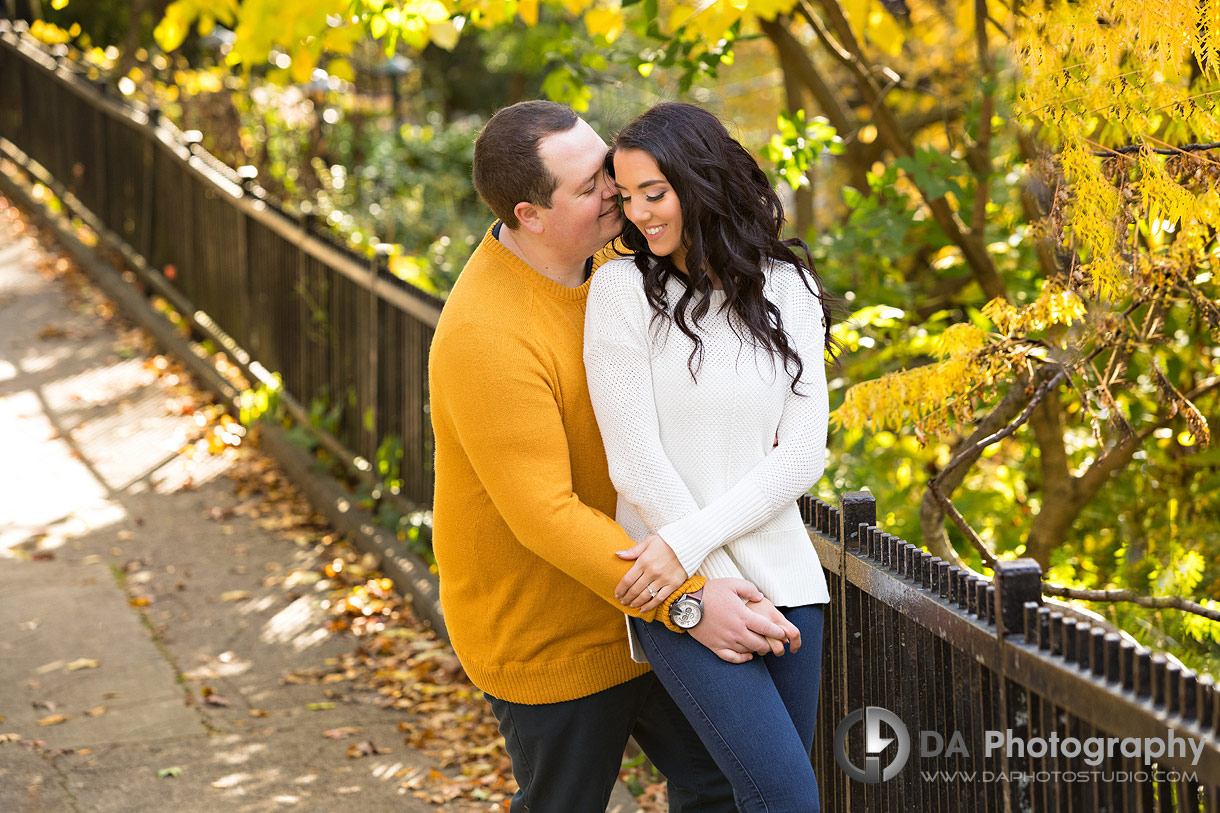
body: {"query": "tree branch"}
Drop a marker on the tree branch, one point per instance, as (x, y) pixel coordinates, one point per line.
(1134, 148)
(971, 452)
(1158, 602)
(931, 509)
(847, 50)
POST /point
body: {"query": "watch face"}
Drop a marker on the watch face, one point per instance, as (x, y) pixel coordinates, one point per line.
(685, 613)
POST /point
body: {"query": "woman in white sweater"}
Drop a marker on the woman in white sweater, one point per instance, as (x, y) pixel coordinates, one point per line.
(705, 358)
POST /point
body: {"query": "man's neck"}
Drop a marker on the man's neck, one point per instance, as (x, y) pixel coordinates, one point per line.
(560, 270)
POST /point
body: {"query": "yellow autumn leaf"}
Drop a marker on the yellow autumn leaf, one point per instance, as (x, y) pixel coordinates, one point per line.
(378, 25)
(527, 10)
(884, 32)
(174, 26)
(576, 7)
(857, 15)
(678, 17)
(443, 34)
(342, 69)
(606, 22)
(432, 11)
(303, 63)
(341, 41)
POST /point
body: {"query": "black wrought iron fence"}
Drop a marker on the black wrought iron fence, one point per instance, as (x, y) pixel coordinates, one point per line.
(1007, 703)
(341, 331)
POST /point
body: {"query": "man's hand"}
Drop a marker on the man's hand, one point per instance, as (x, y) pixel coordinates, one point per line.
(656, 567)
(734, 631)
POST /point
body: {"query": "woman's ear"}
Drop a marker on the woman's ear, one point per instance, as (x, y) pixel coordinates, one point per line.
(529, 217)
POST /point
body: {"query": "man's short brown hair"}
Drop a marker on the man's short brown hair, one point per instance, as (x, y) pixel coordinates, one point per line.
(507, 167)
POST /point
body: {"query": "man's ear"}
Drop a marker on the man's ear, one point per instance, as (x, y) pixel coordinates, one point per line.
(529, 217)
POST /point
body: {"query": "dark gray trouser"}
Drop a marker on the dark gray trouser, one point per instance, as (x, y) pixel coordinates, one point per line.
(566, 756)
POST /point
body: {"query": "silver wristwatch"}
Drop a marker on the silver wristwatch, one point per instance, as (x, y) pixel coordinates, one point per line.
(687, 612)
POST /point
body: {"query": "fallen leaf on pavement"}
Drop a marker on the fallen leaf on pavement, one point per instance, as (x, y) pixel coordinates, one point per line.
(340, 733)
(364, 749)
(215, 700)
(9, 737)
(83, 663)
(259, 713)
(140, 601)
(96, 711)
(54, 719)
(235, 595)
(320, 706)
(166, 772)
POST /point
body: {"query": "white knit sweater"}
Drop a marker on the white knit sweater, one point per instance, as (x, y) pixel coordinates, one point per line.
(694, 460)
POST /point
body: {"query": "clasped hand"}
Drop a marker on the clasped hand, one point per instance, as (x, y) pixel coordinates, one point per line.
(655, 574)
(738, 620)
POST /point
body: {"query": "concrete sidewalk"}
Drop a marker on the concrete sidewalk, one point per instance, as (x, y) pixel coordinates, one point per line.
(99, 513)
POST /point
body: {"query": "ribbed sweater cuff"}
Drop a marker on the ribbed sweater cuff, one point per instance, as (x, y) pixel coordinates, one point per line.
(697, 534)
(691, 585)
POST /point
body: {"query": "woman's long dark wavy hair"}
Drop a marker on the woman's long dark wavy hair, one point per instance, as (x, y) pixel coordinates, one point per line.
(732, 223)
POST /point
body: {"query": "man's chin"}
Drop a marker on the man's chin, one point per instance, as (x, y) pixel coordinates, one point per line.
(612, 224)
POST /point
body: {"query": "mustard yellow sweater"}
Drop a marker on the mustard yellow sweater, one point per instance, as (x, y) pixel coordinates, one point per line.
(522, 519)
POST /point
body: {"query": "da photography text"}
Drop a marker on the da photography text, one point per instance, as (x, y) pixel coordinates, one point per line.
(883, 728)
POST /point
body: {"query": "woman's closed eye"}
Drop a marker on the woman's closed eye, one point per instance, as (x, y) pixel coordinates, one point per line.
(649, 198)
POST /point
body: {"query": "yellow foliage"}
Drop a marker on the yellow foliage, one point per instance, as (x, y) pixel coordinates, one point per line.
(884, 32)
(528, 11)
(49, 32)
(960, 339)
(443, 34)
(1055, 306)
(1163, 198)
(606, 22)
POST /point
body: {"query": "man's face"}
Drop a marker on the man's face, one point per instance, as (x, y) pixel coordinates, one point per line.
(584, 213)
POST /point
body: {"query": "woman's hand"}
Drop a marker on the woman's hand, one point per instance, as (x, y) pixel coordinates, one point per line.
(768, 610)
(655, 574)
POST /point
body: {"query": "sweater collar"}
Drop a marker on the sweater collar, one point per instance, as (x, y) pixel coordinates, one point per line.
(523, 271)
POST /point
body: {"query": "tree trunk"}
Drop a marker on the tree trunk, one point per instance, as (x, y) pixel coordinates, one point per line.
(803, 195)
(797, 65)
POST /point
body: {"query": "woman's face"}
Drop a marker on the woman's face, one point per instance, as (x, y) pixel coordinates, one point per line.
(651, 204)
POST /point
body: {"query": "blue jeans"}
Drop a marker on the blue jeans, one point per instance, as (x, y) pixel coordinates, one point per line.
(756, 718)
(566, 756)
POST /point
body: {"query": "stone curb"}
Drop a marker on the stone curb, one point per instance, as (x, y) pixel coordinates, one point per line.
(410, 573)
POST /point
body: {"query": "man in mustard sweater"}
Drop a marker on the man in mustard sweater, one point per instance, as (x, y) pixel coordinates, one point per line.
(523, 530)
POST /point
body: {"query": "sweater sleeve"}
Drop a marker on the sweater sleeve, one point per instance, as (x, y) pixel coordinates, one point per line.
(507, 420)
(620, 386)
(784, 474)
